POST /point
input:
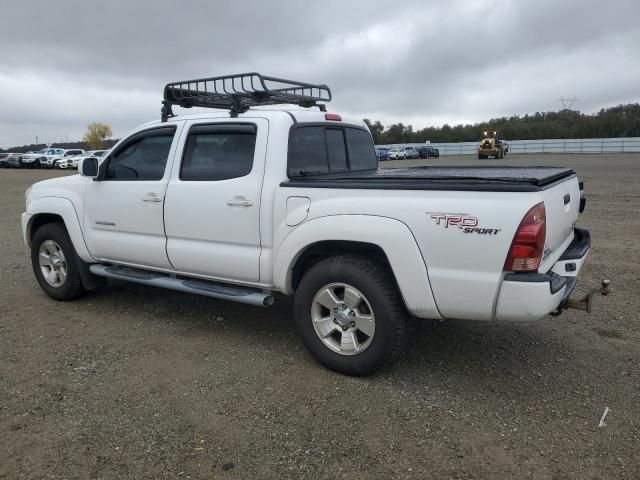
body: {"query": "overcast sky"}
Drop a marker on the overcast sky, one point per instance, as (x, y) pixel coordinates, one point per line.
(65, 63)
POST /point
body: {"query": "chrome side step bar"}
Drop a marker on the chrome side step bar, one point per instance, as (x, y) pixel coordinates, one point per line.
(199, 287)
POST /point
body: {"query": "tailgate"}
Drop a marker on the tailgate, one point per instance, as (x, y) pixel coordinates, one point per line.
(562, 205)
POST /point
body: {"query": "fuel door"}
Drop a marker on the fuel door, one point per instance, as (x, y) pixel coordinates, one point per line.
(297, 210)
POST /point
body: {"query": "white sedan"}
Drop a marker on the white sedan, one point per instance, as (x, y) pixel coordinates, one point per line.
(72, 162)
(397, 153)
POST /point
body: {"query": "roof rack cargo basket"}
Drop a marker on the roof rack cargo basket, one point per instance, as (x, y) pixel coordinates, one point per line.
(237, 93)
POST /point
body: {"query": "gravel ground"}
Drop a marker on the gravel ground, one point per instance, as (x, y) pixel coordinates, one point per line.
(135, 382)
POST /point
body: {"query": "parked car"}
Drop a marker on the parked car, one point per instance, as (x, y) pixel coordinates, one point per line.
(428, 152)
(411, 152)
(14, 160)
(65, 156)
(396, 153)
(4, 159)
(73, 161)
(30, 160)
(46, 156)
(382, 154)
(64, 163)
(306, 211)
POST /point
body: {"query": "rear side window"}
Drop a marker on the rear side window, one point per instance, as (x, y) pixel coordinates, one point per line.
(362, 153)
(308, 150)
(218, 152)
(317, 149)
(143, 158)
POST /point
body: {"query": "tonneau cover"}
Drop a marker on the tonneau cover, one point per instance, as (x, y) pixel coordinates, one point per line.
(484, 178)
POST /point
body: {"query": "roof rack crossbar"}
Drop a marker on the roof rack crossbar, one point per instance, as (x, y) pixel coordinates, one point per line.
(237, 93)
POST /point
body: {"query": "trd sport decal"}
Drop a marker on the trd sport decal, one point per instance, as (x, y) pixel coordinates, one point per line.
(463, 221)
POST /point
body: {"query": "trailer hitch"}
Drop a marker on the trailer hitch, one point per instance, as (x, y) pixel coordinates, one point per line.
(585, 302)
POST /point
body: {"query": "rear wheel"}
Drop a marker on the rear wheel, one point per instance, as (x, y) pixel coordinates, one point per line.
(54, 262)
(349, 314)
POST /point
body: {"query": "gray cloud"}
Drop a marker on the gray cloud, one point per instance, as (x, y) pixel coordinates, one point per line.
(66, 63)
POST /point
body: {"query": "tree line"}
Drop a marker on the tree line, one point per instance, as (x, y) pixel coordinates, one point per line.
(619, 121)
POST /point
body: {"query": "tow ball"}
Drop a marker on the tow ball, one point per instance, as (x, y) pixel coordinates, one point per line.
(585, 303)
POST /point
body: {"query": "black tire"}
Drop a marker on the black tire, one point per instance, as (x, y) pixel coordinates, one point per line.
(72, 287)
(378, 286)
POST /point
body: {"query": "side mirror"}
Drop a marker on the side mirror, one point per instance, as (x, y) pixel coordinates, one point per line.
(89, 167)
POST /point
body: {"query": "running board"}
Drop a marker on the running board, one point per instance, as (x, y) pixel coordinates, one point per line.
(199, 287)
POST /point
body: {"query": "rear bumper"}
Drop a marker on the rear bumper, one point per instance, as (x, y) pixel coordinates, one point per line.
(525, 297)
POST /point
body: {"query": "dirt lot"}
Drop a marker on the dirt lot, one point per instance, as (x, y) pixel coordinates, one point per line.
(134, 382)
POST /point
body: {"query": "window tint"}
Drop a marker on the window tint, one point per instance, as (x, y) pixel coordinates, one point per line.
(144, 159)
(323, 149)
(308, 151)
(218, 155)
(336, 150)
(362, 154)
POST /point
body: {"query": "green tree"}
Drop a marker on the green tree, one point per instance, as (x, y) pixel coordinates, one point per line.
(96, 134)
(376, 130)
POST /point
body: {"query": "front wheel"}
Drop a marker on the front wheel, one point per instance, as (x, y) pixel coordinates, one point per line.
(54, 262)
(350, 315)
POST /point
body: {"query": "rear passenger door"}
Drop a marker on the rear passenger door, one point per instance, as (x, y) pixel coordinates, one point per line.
(212, 211)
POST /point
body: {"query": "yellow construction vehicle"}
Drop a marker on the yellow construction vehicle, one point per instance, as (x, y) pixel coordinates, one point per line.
(491, 145)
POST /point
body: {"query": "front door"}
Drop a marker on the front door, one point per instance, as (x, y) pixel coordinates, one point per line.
(123, 215)
(212, 212)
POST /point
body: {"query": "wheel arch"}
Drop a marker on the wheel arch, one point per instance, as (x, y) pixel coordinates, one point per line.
(38, 220)
(46, 210)
(318, 251)
(388, 240)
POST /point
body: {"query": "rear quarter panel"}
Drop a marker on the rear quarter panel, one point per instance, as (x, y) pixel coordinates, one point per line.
(464, 269)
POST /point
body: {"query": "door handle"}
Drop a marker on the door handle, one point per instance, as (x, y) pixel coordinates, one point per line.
(151, 197)
(239, 202)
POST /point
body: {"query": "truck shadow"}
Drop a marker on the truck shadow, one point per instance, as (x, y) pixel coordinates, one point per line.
(462, 350)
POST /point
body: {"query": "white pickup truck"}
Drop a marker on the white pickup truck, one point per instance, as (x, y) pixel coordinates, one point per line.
(258, 201)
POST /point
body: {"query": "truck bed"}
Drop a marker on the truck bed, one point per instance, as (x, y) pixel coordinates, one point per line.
(484, 178)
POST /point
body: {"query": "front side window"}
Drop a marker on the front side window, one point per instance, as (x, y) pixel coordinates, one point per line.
(218, 153)
(144, 158)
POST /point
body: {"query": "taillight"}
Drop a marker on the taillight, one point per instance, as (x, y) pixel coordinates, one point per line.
(528, 242)
(332, 117)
